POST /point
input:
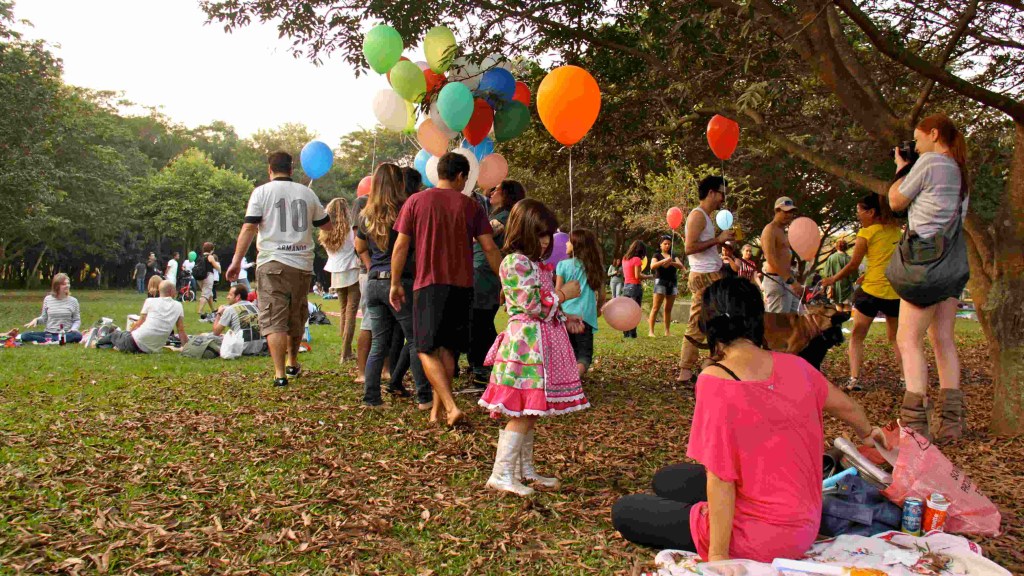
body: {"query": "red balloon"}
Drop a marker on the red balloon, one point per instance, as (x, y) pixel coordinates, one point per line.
(480, 123)
(674, 217)
(522, 94)
(723, 136)
(389, 71)
(434, 81)
(364, 186)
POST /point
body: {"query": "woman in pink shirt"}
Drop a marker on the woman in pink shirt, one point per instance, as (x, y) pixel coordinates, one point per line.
(632, 271)
(757, 433)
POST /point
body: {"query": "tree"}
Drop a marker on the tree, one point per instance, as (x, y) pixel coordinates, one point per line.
(833, 84)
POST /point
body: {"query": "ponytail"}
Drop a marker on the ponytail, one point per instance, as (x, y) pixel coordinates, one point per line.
(951, 138)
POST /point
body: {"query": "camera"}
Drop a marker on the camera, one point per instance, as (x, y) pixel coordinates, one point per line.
(908, 151)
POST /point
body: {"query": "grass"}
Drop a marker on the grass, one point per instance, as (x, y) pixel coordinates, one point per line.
(120, 463)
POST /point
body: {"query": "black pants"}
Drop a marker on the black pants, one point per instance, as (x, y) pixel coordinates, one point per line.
(481, 341)
(662, 520)
(636, 293)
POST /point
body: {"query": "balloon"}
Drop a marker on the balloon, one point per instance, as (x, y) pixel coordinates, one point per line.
(432, 170)
(316, 158)
(390, 110)
(493, 169)
(496, 61)
(497, 86)
(568, 102)
(407, 79)
(482, 149)
(364, 186)
(432, 138)
(439, 48)
(511, 121)
(723, 135)
(480, 123)
(804, 237)
(435, 115)
(455, 104)
(192, 256)
(474, 170)
(420, 163)
(643, 263)
(389, 70)
(466, 73)
(558, 252)
(724, 219)
(622, 313)
(674, 217)
(522, 93)
(382, 48)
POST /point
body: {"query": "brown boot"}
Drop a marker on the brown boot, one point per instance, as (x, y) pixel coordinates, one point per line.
(948, 421)
(914, 413)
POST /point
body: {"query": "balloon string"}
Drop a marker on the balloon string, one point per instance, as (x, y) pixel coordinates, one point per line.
(571, 215)
(373, 162)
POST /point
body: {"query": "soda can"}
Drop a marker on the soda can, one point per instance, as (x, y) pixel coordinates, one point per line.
(913, 516)
(935, 514)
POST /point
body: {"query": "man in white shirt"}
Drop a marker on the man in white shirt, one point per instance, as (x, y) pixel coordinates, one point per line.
(281, 216)
(171, 272)
(158, 318)
(243, 274)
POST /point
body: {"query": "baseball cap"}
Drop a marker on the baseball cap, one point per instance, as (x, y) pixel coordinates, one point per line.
(785, 204)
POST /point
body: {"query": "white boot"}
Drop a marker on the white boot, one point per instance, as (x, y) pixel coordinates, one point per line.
(529, 473)
(505, 472)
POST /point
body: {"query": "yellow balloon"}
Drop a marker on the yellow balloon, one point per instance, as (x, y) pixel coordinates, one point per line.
(643, 263)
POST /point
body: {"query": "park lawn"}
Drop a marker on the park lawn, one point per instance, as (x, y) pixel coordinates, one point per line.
(158, 463)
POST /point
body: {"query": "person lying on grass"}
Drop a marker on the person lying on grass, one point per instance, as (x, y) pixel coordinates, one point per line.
(149, 334)
(757, 433)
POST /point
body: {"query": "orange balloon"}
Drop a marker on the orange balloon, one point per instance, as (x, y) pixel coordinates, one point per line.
(364, 186)
(493, 169)
(674, 217)
(723, 136)
(568, 102)
(432, 138)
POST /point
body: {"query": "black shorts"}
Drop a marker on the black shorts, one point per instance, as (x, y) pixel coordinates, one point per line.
(442, 317)
(583, 345)
(870, 306)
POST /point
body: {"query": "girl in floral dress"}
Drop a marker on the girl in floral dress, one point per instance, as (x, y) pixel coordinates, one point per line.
(534, 370)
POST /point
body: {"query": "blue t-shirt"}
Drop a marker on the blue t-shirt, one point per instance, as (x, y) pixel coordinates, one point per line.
(585, 305)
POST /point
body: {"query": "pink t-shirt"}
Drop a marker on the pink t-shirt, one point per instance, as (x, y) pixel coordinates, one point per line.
(766, 436)
(629, 269)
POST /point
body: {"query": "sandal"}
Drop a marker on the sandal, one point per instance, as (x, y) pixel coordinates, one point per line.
(853, 385)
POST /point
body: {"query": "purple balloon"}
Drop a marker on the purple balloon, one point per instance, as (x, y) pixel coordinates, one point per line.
(558, 253)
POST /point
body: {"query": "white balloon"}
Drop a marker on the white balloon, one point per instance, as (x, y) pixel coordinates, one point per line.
(474, 169)
(496, 61)
(466, 72)
(423, 65)
(435, 115)
(432, 170)
(390, 110)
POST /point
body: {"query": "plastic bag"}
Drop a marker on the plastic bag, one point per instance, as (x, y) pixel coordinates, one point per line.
(232, 345)
(922, 469)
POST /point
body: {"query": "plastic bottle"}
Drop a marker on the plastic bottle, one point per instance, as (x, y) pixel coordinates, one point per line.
(63, 339)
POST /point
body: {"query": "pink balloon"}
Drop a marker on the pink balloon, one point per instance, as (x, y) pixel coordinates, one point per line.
(493, 170)
(364, 186)
(804, 237)
(674, 217)
(432, 138)
(622, 314)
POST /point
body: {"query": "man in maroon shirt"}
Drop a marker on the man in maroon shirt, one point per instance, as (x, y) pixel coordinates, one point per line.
(441, 224)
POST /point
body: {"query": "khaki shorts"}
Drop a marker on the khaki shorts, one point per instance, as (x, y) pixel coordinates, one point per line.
(283, 292)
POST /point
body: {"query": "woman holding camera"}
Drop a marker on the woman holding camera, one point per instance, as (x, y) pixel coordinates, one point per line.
(935, 193)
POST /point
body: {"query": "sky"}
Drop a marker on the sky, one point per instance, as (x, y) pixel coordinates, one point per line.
(161, 53)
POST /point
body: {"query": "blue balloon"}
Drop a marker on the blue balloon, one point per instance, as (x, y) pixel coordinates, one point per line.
(497, 87)
(316, 158)
(485, 147)
(420, 163)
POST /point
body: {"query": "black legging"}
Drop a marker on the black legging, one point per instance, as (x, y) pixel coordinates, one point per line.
(483, 336)
(662, 520)
(636, 293)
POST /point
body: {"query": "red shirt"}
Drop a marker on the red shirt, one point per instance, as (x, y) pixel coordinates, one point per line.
(629, 270)
(442, 224)
(765, 436)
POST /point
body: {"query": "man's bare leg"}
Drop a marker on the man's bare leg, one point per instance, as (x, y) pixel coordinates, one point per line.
(362, 354)
(439, 367)
(293, 351)
(278, 344)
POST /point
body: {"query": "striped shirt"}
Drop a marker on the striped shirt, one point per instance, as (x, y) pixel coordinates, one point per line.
(59, 312)
(933, 187)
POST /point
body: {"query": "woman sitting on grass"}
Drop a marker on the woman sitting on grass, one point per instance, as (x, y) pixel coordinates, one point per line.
(757, 433)
(60, 312)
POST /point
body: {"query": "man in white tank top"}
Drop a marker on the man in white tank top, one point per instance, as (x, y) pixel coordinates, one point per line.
(701, 246)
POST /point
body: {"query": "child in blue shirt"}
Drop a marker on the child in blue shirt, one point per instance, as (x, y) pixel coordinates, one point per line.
(586, 267)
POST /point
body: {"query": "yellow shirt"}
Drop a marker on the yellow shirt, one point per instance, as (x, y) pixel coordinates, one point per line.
(882, 241)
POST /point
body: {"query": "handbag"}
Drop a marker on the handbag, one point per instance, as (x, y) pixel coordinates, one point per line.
(926, 271)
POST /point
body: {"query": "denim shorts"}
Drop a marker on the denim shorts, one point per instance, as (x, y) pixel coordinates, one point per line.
(665, 290)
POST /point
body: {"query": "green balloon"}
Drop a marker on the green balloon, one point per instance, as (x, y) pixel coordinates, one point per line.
(439, 47)
(382, 48)
(407, 79)
(511, 121)
(455, 104)
(192, 256)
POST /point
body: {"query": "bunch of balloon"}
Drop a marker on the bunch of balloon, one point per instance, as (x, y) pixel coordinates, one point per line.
(568, 102)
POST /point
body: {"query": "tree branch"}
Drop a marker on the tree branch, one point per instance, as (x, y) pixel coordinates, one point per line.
(947, 51)
(1011, 107)
(850, 60)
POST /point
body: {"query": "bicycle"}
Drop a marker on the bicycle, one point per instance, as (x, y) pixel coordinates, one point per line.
(186, 293)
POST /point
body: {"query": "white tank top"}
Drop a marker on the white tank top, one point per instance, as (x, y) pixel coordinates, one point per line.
(708, 260)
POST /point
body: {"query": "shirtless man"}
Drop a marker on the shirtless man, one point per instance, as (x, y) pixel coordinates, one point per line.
(781, 290)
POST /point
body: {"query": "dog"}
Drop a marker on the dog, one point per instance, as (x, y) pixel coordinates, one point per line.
(809, 336)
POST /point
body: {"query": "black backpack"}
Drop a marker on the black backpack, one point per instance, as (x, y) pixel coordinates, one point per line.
(202, 268)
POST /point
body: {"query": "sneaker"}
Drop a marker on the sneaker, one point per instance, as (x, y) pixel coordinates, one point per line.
(293, 371)
(279, 382)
